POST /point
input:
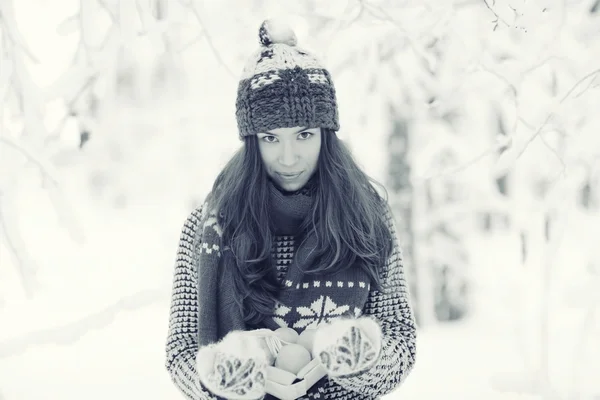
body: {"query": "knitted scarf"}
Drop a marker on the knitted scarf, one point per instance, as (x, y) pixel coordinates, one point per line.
(218, 313)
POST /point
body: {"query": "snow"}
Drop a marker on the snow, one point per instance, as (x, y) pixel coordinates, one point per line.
(97, 231)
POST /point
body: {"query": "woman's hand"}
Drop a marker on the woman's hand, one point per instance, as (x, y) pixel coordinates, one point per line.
(235, 368)
(348, 347)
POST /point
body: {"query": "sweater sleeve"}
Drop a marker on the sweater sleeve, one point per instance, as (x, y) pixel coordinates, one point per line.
(182, 336)
(393, 311)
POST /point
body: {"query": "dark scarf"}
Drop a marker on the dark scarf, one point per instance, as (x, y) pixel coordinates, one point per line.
(218, 313)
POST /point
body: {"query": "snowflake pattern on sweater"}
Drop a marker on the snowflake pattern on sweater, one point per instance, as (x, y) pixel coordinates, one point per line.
(322, 310)
(391, 309)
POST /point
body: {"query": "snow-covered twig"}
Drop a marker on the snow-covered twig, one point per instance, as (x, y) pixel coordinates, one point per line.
(65, 212)
(7, 17)
(79, 73)
(6, 72)
(9, 228)
(82, 25)
(110, 12)
(509, 157)
(69, 333)
(192, 6)
(515, 97)
(154, 28)
(190, 43)
(545, 61)
(70, 104)
(415, 46)
(553, 151)
(46, 170)
(339, 23)
(498, 18)
(52, 186)
(68, 25)
(588, 87)
(491, 150)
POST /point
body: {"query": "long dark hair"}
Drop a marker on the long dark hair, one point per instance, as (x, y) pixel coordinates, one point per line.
(353, 235)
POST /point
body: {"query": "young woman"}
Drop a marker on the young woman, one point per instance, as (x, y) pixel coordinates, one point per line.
(293, 234)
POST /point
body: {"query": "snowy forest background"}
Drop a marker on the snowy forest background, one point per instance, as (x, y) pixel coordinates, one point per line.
(480, 117)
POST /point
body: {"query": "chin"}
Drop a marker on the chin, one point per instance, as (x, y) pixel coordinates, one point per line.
(291, 187)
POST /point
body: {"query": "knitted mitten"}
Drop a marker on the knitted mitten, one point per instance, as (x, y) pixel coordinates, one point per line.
(235, 367)
(348, 347)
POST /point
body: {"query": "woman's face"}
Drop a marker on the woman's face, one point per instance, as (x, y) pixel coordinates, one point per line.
(290, 155)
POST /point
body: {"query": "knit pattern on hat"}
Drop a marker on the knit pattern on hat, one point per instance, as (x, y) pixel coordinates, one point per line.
(284, 86)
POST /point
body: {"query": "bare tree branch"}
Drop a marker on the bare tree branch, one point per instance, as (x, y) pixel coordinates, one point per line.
(55, 134)
(415, 46)
(65, 27)
(545, 61)
(551, 114)
(9, 230)
(588, 87)
(7, 17)
(83, 46)
(513, 89)
(451, 171)
(6, 72)
(539, 130)
(190, 43)
(64, 212)
(72, 332)
(498, 18)
(82, 40)
(110, 12)
(23, 268)
(192, 6)
(553, 151)
(29, 154)
(339, 23)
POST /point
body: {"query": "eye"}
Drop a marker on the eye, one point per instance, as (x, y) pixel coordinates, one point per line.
(306, 134)
(267, 138)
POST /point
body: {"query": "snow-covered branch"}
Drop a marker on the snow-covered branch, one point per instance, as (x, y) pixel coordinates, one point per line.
(15, 79)
(417, 47)
(45, 168)
(501, 143)
(498, 18)
(72, 332)
(70, 104)
(112, 13)
(51, 183)
(11, 235)
(8, 23)
(194, 7)
(508, 158)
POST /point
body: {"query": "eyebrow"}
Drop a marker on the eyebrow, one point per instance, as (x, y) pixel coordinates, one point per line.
(275, 134)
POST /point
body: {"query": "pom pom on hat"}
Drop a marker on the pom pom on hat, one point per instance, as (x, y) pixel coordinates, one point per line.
(275, 31)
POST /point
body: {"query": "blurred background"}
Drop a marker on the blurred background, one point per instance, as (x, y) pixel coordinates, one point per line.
(479, 116)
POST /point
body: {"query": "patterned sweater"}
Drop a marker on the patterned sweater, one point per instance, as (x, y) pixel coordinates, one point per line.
(392, 310)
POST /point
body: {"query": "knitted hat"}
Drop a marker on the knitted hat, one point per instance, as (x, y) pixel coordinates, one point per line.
(283, 86)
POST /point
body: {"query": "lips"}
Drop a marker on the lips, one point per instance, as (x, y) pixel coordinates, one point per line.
(289, 176)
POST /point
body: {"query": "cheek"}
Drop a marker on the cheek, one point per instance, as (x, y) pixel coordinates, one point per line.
(270, 161)
(268, 157)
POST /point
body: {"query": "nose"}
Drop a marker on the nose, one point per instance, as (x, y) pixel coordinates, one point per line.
(288, 156)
